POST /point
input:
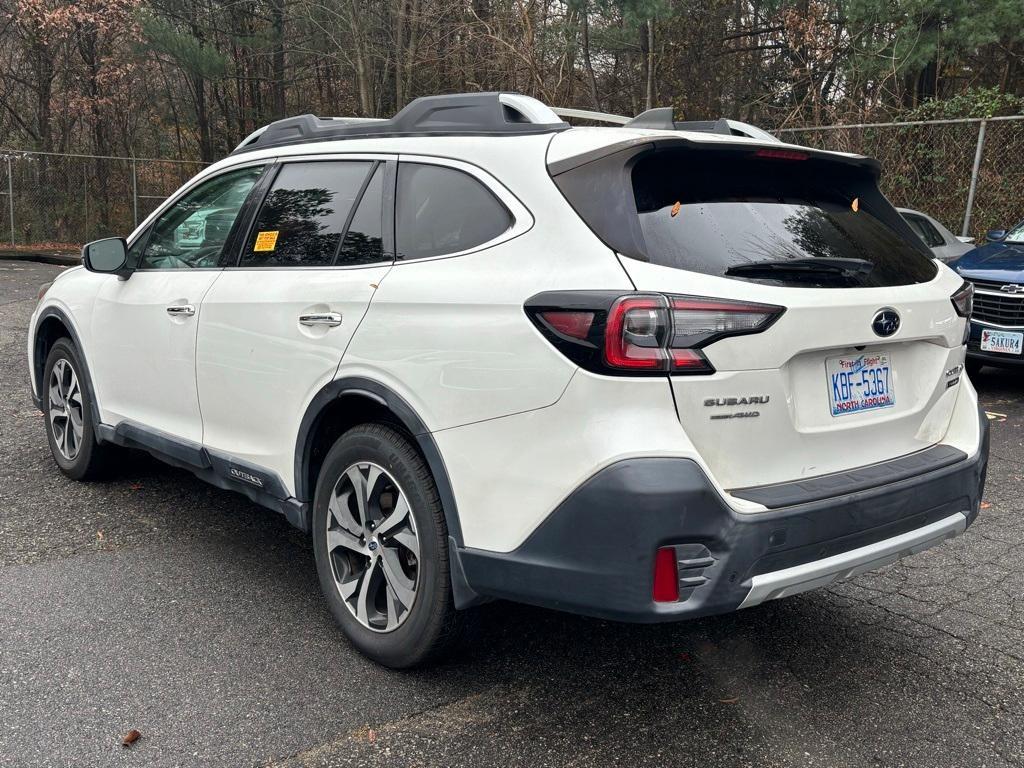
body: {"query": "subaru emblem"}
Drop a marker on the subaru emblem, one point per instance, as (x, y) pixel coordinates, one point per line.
(886, 322)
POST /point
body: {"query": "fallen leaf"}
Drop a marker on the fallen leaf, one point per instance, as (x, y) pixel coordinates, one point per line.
(993, 416)
(733, 700)
(99, 535)
(371, 736)
(986, 504)
(130, 738)
(675, 209)
(855, 205)
(135, 486)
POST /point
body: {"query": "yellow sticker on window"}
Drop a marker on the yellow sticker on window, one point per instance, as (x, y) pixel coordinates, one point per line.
(266, 241)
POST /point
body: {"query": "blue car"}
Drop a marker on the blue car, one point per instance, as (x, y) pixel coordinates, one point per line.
(997, 321)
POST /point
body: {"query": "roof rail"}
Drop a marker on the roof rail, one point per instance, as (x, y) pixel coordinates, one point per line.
(586, 114)
(460, 114)
(661, 118)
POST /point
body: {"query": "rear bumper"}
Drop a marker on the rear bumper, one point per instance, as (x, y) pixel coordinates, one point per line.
(595, 553)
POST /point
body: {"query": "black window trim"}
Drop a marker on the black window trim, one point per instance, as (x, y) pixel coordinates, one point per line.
(376, 159)
(196, 182)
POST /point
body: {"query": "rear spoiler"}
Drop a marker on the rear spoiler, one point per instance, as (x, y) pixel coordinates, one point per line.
(637, 144)
(662, 119)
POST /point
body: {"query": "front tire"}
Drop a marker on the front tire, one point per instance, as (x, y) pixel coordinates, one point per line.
(381, 548)
(67, 405)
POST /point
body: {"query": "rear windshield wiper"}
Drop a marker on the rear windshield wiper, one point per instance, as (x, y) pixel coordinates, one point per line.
(823, 266)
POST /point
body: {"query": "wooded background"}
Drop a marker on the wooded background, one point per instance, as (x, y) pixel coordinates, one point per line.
(190, 78)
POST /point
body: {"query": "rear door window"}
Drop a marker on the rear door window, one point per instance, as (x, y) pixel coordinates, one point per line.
(303, 217)
(442, 210)
(364, 243)
(714, 212)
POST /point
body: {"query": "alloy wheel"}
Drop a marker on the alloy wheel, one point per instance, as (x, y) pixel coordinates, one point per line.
(65, 409)
(373, 546)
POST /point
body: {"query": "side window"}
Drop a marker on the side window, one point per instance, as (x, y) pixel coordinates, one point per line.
(931, 234)
(193, 231)
(441, 210)
(301, 222)
(364, 243)
(924, 229)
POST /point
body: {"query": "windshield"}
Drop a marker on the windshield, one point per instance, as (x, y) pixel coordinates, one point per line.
(718, 213)
(1015, 235)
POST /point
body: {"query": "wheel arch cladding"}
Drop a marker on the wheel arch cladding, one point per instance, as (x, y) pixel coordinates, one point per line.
(350, 401)
(51, 326)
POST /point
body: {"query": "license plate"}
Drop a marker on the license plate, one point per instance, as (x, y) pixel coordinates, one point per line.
(859, 383)
(1006, 342)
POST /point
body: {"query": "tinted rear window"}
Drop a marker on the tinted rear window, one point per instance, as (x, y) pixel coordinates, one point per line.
(442, 210)
(712, 211)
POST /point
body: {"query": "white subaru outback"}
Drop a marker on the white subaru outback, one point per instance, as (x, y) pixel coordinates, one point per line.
(644, 372)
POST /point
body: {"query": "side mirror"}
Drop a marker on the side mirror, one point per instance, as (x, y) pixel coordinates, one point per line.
(107, 256)
(995, 235)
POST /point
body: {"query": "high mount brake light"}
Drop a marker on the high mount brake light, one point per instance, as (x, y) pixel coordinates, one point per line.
(781, 154)
(643, 333)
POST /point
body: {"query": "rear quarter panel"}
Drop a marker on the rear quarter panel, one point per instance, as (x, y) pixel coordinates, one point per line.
(449, 334)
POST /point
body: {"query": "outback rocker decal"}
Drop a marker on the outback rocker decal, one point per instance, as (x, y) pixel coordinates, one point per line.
(245, 477)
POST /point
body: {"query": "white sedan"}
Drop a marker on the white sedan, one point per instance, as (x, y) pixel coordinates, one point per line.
(944, 244)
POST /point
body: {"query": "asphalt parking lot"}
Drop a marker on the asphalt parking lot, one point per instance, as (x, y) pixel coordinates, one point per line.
(158, 603)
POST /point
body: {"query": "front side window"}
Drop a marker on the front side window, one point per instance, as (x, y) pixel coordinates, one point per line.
(441, 210)
(303, 218)
(193, 231)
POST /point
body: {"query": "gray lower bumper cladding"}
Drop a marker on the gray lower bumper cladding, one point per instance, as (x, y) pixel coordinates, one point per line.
(595, 553)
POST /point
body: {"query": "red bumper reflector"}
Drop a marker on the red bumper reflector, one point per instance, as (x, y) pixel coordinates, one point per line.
(666, 578)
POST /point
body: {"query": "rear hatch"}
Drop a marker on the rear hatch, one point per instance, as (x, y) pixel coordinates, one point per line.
(864, 362)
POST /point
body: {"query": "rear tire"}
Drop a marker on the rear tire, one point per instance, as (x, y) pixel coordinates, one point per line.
(381, 547)
(68, 407)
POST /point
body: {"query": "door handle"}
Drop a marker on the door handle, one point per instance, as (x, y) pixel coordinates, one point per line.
(181, 310)
(330, 319)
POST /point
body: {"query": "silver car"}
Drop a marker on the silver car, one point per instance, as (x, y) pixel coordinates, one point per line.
(944, 244)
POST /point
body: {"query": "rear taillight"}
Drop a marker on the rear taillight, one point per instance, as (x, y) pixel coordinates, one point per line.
(636, 333)
(963, 300)
(643, 333)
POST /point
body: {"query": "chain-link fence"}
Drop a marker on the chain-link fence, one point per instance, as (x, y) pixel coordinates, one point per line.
(57, 201)
(968, 174)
